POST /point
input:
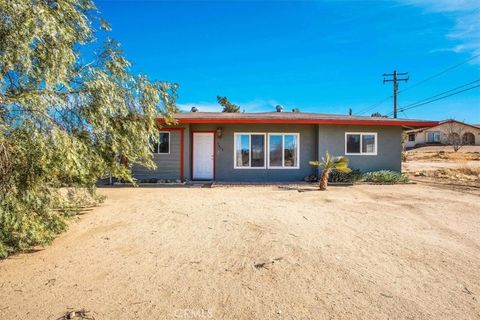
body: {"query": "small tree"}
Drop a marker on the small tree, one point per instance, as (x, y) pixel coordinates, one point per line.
(328, 164)
(453, 134)
(378, 115)
(227, 105)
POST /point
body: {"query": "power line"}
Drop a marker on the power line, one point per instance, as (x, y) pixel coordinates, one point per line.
(376, 104)
(440, 73)
(439, 96)
(452, 94)
(365, 110)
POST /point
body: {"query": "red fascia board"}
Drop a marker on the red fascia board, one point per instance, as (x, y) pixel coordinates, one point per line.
(408, 123)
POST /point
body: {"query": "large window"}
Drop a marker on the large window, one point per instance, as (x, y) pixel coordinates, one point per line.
(360, 143)
(163, 145)
(283, 150)
(433, 136)
(249, 150)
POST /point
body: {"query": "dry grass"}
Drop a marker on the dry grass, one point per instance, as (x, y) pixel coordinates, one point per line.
(441, 156)
(444, 165)
(462, 174)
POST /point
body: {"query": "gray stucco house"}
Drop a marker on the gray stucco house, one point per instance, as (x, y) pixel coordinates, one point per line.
(272, 147)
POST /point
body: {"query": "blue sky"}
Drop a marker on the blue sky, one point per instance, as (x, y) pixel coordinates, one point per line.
(319, 56)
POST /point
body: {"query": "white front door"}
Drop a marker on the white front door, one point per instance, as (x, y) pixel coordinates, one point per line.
(203, 156)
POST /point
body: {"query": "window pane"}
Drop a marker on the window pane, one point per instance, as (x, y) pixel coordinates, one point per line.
(290, 151)
(411, 137)
(353, 143)
(164, 145)
(242, 150)
(258, 150)
(275, 149)
(368, 143)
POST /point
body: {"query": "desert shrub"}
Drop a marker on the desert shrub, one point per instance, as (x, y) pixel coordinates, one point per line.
(68, 116)
(384, 176)
(337, 176)
(37, 219)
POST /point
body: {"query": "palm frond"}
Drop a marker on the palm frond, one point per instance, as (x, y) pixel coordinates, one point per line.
(332, 163)
(341, 164)
(314, 163)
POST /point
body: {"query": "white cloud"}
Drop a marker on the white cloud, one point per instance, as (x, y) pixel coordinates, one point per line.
(466, 14)
(249, 106)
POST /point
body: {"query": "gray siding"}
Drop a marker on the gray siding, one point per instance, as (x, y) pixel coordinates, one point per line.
(224, 153)
(314, 141)
(389, 147)
(168, 165)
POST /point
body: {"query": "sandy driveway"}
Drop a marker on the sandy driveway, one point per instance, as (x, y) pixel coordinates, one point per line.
(362, 252)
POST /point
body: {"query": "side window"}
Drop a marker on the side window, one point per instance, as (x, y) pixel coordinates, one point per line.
(163, 145)
(283, 150)
(249, 150)
(361, 143)
(353, 143)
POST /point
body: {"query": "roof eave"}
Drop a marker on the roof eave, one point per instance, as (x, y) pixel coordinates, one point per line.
(409, 123)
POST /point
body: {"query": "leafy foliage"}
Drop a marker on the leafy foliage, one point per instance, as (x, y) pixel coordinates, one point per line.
(65, 122)
(350, 177)
(328, 164)
(227, 105)
(384, 176)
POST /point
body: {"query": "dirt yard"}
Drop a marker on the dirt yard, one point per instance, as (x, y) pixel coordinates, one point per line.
(361, 252)
(439, 164)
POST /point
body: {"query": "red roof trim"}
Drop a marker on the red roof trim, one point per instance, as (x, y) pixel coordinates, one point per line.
(409, 123)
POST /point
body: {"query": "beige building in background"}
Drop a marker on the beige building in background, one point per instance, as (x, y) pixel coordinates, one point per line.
(443, 133)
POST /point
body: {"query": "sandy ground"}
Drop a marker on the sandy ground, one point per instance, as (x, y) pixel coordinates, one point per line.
(463, 149)
(440, 165)
(361, 252)
(413, 166)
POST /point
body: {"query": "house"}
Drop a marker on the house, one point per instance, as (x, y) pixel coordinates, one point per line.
(272, 146)
(444, 133)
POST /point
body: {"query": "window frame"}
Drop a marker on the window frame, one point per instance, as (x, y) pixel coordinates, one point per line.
(283, 134)
(158, 145)
(361, 153)
(434, 134)
(411, 135)
(235, 135)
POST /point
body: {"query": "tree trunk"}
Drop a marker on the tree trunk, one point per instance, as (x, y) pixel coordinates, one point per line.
(324, 179)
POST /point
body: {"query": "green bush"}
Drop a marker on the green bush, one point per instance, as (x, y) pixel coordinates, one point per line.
(384, 176)
(37, 219)
(352, 176)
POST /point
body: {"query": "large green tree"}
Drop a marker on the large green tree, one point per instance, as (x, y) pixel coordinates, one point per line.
(70, 111)
(227, 105)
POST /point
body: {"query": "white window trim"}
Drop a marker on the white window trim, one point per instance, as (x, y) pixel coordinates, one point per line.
(283, 134)
(361, 153)
(158, 146)
(235, 135)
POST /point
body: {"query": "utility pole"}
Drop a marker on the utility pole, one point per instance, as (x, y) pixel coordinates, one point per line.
(395, 81)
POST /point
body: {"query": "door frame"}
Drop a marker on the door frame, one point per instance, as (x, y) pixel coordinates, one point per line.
(192, 137)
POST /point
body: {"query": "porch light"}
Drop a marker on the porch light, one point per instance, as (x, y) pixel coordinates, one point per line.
(219, 132)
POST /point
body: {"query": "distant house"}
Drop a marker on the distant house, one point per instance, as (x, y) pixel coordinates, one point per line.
(443, 133)
(274, 146)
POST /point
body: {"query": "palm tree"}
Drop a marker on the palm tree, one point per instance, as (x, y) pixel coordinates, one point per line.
(328, 164)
